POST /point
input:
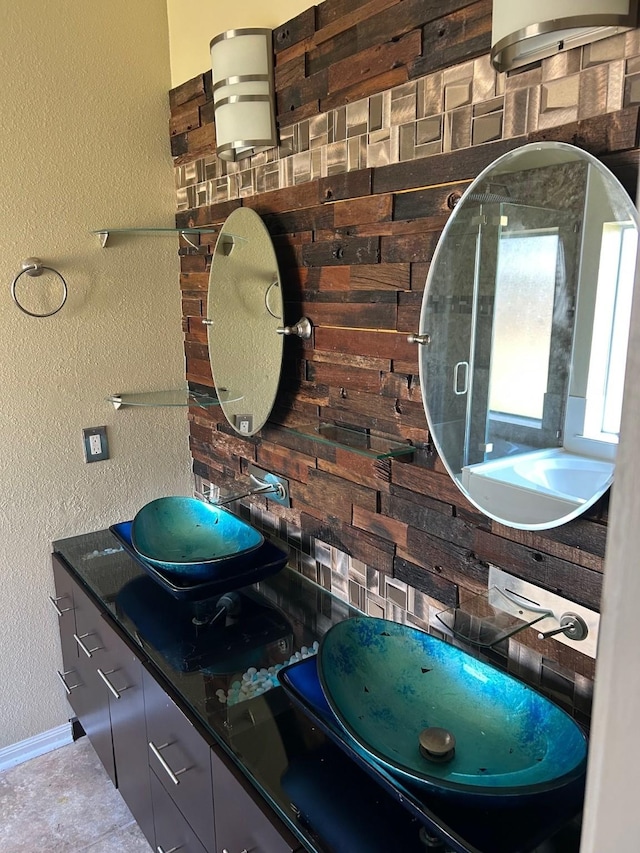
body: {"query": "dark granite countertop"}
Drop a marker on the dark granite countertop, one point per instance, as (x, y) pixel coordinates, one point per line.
(329, 803)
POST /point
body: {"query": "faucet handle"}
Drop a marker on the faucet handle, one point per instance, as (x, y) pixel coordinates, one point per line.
(571, 625)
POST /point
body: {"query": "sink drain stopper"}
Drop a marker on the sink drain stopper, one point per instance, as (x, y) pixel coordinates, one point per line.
(437, 744)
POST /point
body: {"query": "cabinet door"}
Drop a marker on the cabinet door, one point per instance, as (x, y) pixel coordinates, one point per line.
(240, 823)
(90, 701)
(172, 830)
(180, 758)
(63, 603)
(124, 686)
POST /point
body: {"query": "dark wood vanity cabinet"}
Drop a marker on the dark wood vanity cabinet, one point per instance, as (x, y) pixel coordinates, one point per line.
(103, 677)
(183, 795)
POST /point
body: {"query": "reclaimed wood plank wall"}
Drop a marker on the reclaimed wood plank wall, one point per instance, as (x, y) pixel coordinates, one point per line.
(354, 250)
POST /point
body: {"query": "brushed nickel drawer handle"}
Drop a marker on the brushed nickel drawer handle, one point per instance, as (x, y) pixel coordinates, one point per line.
(173, 849)
(156, 751)
(103, 676)
(79, 639)
(54, 602)
(61, 676)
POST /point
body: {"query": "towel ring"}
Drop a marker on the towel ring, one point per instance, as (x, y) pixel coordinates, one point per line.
(34, 267)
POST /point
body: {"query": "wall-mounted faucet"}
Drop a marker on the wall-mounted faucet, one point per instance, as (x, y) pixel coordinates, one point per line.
(262, 483)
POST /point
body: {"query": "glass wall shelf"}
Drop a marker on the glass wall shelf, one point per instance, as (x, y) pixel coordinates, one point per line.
(373, 446)
(173, 398)
(104, 233)
(493, 616)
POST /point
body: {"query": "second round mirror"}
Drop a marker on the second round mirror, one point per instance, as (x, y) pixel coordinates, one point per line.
(245, 311)
(527, 308)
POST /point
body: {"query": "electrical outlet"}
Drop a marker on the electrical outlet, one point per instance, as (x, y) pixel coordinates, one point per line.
(96, 447)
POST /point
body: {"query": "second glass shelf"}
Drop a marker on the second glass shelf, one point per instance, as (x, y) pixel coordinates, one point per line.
(173, 398)
(364, 443)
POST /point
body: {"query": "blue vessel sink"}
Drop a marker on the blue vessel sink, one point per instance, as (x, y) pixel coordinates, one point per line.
(439, 718)
(191, 538)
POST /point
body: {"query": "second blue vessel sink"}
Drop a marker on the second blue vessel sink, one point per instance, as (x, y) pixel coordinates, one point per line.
(436, 716)
(189, 537)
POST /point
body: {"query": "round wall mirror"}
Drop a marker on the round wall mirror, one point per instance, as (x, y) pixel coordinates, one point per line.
(245, 308)
(526, 309)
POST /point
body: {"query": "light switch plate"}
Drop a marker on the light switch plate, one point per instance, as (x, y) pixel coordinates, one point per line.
(96, 446)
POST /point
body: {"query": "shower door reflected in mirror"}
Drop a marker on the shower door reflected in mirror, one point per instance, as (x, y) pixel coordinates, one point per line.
(527, 306)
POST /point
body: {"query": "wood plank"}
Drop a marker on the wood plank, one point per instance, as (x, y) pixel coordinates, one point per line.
(289, 73)
(428, 517)
(374, 61)
(284, 461)
(445, 558)
(325, 278)
(186, 91)
(284, 200)
(560, 576)
(366, 315)
(399, 19)
(366, 343)
(599, 135)
(194, 143)
(186, 116)
(297, 29)
(332, 11)
(409, 248)
(194, 281)
(370, 472)
(432, 201)
(313, 218)
(363, 546)
(208, 214)
(332, 50)
(365, 88)
(344, 376)
(427, 482)
(452, 167)
(428, 582)
(337, 24)
(383, 275)
(357, 211)
(418, 276)
(346, 250)
(387, 528)
(463, 35)
(409, 307)
(303, 91)
(345, 185)
(580, 541)
(364, 362)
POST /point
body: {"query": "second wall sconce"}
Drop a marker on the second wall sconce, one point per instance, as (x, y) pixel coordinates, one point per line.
(243, 92)
(526, 32)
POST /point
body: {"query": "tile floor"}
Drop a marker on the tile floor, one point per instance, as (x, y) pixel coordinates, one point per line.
(64, 802)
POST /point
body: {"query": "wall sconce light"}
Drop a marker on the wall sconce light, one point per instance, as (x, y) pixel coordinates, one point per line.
(526, 32)
(243, 92)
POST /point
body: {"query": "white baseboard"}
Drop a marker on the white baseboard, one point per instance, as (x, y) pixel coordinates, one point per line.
(15, 754)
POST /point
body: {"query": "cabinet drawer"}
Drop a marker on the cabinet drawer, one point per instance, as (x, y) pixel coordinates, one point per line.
(172, 830)
(129, 732)
(180, 758)
(240, 823)
(63, 603)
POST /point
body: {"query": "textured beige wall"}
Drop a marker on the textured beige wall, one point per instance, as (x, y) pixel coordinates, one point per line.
(84, 133)
(192, 29)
